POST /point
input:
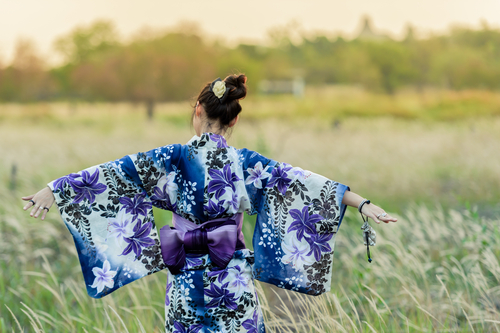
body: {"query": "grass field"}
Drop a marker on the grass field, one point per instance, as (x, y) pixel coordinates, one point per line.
(433, 162)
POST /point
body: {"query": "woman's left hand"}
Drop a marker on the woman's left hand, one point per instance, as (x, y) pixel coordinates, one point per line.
(40, 202)
(377, 214)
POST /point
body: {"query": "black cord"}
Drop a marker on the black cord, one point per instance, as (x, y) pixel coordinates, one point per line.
(366, 237)
(368, 248)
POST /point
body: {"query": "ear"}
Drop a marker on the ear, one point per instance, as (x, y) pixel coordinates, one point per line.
(234, 121)
(197, 109)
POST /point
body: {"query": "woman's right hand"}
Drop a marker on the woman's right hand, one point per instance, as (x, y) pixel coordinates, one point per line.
(377, 214)
(40, 202)
(374, 212)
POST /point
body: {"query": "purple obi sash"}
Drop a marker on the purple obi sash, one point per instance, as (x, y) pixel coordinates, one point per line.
(219, 238)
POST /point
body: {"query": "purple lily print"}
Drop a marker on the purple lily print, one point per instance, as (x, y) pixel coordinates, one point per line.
(139, 240)
(167, 299)
(215, 210)
(68, 179)
(296, 254)
(121, 227)
(239, 281)
(161, 198)
(279, 177)
(136, 205)
(257, 174)
(179, 328)
(234, 203)
(221, 297)
(299, 174)
(318, 244)
(88, 187)
(221, 179)
(303, 223)
(221, 275)
(103, 277)
(251, 324)
(221, 142)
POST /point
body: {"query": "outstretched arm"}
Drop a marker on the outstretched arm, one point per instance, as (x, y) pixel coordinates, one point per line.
(40, 202)
(372, 211)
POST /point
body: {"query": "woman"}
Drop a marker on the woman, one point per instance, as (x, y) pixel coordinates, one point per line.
(207, 185)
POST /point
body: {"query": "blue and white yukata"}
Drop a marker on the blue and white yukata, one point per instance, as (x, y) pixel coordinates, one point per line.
(108, 210)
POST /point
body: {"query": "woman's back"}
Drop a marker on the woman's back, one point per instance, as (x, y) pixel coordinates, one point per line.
(208, 185)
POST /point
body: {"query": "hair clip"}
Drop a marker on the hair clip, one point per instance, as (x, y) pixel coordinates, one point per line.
(219, 89)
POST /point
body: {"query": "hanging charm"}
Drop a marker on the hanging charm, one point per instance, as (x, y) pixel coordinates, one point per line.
(369, 235)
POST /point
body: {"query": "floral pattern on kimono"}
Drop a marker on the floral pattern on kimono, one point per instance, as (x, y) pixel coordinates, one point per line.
(108, 210)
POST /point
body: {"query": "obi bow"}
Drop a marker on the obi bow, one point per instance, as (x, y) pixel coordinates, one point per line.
(218, 238)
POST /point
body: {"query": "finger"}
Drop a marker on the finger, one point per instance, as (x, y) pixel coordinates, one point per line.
(374, 218)
(39, 211)
(34, 211)
(382, 216)
(44, 214)
(29, 197)
(391, 219)
(28, 205)
(30, 202)
(388, 219)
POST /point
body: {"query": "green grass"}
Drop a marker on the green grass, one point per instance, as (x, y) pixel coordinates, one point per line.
(437, 270)
(333, 103)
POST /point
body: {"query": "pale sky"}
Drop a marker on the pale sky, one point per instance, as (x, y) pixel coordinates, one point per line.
(44, 20)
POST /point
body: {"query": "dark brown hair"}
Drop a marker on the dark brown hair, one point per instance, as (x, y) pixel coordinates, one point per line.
(227, 111)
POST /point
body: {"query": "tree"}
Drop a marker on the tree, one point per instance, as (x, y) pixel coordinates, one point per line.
(149, 69)
(85, 42)
(393, 60)
(26, 78)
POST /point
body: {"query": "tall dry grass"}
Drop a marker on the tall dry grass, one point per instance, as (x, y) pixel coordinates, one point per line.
(437, 270)
(434, 271)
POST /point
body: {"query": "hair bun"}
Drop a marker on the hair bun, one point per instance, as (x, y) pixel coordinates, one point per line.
(227, 110)
(237, 86)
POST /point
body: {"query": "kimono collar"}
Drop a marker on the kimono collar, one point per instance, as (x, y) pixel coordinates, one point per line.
(207, 138)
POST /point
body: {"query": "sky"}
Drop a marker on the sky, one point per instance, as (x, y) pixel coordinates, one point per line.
(44, 20)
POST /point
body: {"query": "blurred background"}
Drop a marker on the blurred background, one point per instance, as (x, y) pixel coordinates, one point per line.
(91, 52)
(424, 77)
(398, 100)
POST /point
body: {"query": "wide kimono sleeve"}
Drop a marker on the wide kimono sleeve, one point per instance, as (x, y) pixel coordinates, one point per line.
(108, 210)
(298, 216)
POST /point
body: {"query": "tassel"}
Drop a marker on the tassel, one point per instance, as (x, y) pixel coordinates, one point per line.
(368, 248)
(368, 232)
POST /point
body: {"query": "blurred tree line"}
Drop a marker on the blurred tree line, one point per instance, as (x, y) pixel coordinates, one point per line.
(150, 67)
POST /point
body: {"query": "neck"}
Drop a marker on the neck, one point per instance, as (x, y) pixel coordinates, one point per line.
(202, 124)
(212, 128)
